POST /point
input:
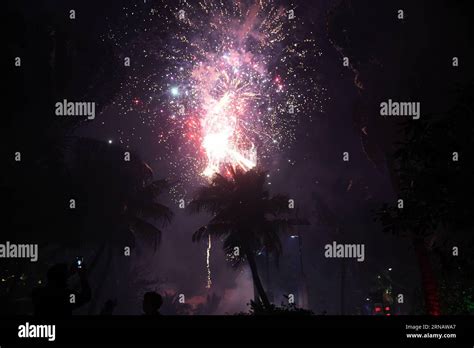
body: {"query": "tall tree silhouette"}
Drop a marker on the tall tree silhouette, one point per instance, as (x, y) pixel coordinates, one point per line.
(117, 201)
(244, 216)
(434, 167)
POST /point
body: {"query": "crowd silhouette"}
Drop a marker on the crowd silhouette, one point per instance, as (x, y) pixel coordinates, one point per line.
(57, 299)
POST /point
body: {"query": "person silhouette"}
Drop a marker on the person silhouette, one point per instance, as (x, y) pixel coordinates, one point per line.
(108, 307)
(152, 302)
(56, 299)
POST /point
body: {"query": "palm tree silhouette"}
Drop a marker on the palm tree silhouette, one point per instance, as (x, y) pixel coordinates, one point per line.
(245, 216)
(117, 204)
(121, 198)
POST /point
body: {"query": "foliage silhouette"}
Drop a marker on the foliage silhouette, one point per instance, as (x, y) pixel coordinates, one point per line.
(244, 216)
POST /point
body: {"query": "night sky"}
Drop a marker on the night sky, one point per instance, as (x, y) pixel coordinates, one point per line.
(215, 84)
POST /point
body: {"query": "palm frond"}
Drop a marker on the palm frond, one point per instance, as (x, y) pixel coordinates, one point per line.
(157, 187)
(148, 232)
(214, 229)
(243, 212)
(157, 212)
(271, 240)
(211, 198)
(277, 205)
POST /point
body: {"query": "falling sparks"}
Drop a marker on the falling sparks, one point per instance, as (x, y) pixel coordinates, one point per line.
(208, 264)
(217, 83)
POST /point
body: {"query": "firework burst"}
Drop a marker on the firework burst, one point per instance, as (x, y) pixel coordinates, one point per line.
(225, 82)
